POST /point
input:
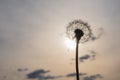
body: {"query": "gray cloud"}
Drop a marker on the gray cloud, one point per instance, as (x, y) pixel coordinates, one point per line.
(91, 56)
(41, 74)
(100, 33)
(85, 76)
(93, 77)
(22, 69)
(84, 57)
(52, 77)
(37, 74)
(74, 74)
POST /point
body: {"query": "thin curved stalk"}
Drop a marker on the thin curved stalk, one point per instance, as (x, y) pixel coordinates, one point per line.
(77, 66)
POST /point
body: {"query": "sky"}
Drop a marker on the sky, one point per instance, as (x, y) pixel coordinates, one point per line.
(32, 40)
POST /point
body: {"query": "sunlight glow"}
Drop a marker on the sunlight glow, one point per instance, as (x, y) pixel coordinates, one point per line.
(70, 44)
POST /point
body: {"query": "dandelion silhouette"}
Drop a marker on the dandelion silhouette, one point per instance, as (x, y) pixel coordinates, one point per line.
(82, 32)
(78, 25)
